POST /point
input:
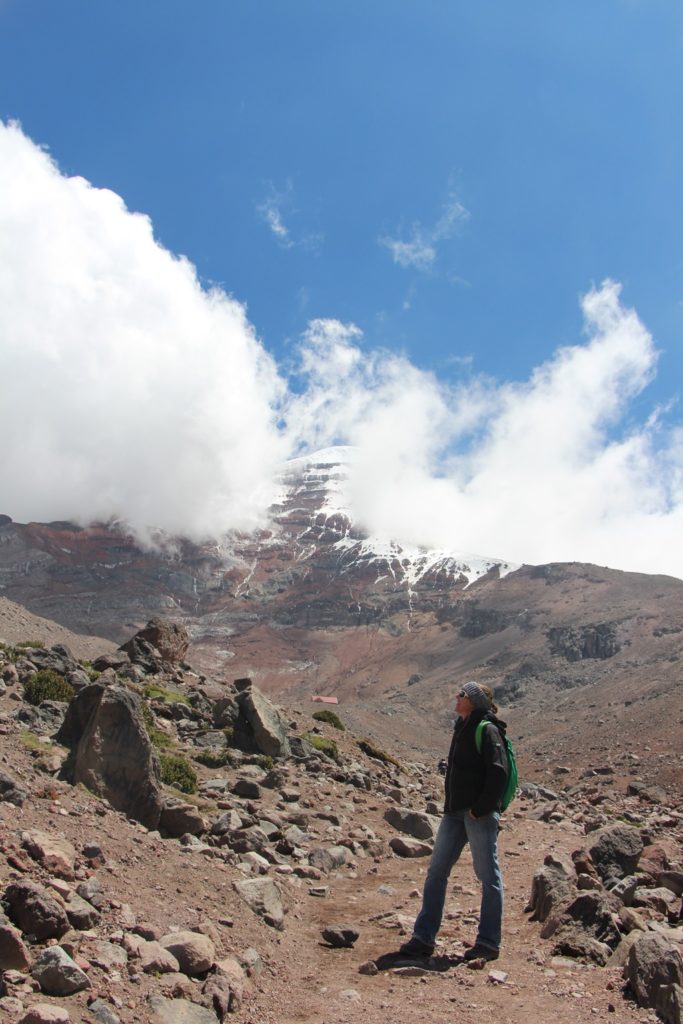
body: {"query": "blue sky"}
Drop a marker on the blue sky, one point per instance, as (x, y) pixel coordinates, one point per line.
(451, 178)
(555, 125)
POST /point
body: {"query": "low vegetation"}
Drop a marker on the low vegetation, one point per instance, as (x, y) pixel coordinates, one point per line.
(369, 748)
(47, 685)
(158, 738)
(176, 771)
(212, 758)
(324, 745)
(156, 692)
(330, 717)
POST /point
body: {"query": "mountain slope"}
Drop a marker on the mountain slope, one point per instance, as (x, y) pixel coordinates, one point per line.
(315, 606)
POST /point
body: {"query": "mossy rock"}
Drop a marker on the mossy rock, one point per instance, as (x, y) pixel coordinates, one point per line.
(369, 748)
(324, 745)
(330, 717)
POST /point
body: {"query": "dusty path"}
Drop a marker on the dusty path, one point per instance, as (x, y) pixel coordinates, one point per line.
(320, 985)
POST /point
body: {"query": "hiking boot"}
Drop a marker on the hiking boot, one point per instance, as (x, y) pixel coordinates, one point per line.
(416, 947)
(479, 952)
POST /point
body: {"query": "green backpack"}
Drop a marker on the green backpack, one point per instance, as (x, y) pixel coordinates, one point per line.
(513, 777)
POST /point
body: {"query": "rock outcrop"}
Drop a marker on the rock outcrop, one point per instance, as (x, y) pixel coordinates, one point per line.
(110, 751)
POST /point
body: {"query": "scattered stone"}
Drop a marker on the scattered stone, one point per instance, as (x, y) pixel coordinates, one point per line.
(247, 788)
(351, 994)
(13, 953)
(223, 991)
(263, 897)
(409, 847)
(58, 974)
(615, 851)
(54, 854)
(194, 952)
(178, 1011)
(81, 914)
(11, 791)
(498, 977)
(328, 858)
(11, 1005)
(176, 986)
(179, 818)
(107, 955)
(34, 911)
(45, 1013)
(369, 967)
(669, 1003)
(319, 890)
(413, 823)
(155, 959)
(340, 936)
(103, 1013)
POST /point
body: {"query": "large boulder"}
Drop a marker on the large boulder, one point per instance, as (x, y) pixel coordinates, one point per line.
(551, 886)
(110, 751)
(615, 851)
(653, 964)
(260, 723)
(161, 644)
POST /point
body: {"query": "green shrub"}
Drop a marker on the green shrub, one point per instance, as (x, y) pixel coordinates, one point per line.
(177, 772)
(369, 748)
(321, 743)
(30, 643)
(264, 761)
(47, 685)
(330, 717)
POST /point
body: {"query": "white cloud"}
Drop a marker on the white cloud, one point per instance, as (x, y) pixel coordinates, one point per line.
(544, 471)
(272, 212)
(272, 215)
(421, 249)
(126, 390)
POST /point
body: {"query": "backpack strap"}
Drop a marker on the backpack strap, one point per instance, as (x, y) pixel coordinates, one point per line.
(479, 733)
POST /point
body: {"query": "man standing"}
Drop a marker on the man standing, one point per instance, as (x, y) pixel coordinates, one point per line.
(475, 782)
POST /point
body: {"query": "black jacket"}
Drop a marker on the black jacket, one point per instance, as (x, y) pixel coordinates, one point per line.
(476, 781)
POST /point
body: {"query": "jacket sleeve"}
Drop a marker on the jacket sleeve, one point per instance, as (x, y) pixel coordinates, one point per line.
(496, 772)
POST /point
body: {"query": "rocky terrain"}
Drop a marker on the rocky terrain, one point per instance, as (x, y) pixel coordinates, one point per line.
(175, 848)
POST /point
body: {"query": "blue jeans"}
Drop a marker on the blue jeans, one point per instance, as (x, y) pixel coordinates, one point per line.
(457, 829)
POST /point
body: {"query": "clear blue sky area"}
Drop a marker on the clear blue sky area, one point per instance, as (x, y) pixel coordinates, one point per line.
(519, 152)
